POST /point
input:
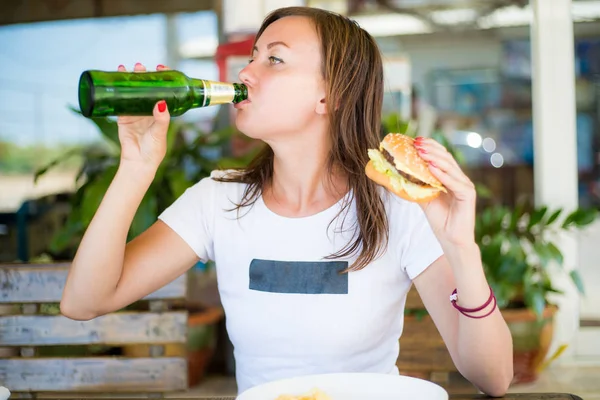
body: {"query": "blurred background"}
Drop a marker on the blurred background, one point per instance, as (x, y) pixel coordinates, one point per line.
(493, 79)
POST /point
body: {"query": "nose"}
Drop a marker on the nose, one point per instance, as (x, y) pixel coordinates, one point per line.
(247, 76)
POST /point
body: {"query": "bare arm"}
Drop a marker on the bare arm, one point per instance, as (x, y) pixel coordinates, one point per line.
(108, 274)
(480, 348)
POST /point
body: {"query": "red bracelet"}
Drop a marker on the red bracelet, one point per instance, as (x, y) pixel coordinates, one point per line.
(464, 311)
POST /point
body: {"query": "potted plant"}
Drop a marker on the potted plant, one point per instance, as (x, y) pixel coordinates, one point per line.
(519, 251)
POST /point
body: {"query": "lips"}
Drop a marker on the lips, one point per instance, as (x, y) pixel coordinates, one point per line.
(241, 104)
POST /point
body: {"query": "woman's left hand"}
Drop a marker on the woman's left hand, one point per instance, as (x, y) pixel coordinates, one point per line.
(451, 215)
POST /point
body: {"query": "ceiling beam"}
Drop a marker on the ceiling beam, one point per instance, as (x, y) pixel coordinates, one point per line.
(26, 11)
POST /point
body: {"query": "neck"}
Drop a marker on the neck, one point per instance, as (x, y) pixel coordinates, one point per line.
(303, 184)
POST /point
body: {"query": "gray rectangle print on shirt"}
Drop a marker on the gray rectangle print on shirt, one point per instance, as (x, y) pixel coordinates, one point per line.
(300, 277)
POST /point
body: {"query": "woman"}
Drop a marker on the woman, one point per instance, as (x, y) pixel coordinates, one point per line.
(314, 260)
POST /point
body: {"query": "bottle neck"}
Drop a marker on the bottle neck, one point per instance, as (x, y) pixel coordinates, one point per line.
(210, 93)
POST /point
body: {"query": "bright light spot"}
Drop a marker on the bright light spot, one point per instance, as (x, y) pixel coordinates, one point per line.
(474, 139)
(497, 160)
(489, 144)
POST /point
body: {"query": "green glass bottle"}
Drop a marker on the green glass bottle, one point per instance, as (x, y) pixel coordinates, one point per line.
(113, 93)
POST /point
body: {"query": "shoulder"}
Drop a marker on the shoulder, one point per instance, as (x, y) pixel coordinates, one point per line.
(223, 187)
(216, 188)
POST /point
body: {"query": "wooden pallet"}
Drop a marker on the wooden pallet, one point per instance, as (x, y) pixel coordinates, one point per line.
(29, 286)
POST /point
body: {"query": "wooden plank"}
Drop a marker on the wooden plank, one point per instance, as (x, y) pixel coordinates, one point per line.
(16, 12)
(94, 374)
(115, 329)
(422, 347)
(420, 333)
(429, 360)
(44, 283)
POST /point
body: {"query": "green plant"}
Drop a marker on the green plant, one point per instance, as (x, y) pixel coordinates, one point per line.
(518, 250)
(185, 163)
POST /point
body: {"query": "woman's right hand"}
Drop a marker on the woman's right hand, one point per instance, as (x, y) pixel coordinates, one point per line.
(144, 139)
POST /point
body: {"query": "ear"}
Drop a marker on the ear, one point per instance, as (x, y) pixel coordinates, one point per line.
(321, 107)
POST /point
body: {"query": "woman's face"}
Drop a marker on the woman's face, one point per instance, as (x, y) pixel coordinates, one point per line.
(285, 86)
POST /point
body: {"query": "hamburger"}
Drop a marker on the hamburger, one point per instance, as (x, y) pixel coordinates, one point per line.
(397, 166)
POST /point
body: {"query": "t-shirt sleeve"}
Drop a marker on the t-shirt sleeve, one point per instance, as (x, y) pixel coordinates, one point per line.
(192, 217)
(419, 245)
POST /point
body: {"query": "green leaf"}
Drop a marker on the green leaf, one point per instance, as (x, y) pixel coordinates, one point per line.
(483, 191)
(586, 217)
(537, 216)
(542, 253)
(554, 216)
(178, 183)
(576, 278)
(145, 216)
(420, 314)
(535, 299)
(173, 134)
(70, 232)
(107, 127)
(580, 218)
(94, 193)
(55, 163)
(486, 218)
(555, 254)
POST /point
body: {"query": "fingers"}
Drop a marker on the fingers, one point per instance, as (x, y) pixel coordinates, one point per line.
(161, 120)
(433, 152)
(139, 67)
(437, 155)
(426, 146)
(450, 179)
(161, 111)
(444, 167)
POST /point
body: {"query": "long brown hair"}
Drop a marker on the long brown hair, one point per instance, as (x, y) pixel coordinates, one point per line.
(353, 72)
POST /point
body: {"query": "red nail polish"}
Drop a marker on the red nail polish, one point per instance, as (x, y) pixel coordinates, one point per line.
(159, 66)
(162, 106)
(120, 66)
(422, 151)
(138, 64)
(419, 139)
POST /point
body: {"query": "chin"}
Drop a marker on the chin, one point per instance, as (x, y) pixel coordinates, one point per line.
(256, 128)
(243, 124)
(252, 131)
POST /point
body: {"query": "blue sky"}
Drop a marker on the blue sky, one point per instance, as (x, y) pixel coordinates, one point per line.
(40, 66)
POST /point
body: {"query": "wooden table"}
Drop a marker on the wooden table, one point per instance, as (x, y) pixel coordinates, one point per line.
(510, 396)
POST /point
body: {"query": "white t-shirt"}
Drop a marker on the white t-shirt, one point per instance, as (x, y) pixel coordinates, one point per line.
(288, 310)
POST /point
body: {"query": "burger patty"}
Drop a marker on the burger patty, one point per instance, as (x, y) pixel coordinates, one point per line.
(406, 176)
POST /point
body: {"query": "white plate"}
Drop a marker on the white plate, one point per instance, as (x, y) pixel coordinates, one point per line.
(351, 386)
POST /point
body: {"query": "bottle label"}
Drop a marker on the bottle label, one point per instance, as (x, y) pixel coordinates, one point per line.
(219, 93)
